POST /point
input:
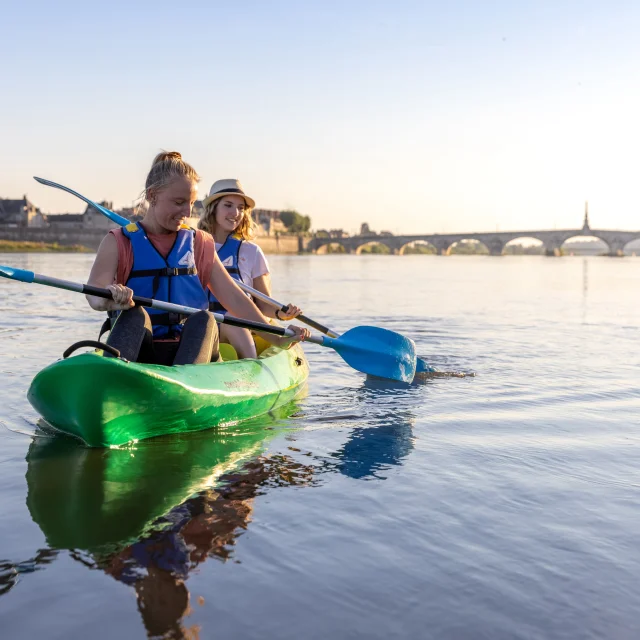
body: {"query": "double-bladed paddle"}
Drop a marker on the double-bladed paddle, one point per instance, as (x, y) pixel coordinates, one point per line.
(422, 366)
(371, 350)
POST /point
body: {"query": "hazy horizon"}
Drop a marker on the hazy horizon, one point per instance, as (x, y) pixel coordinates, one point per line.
(414, 117)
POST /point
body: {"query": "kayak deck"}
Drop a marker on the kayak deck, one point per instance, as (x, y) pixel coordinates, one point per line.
(107, 401)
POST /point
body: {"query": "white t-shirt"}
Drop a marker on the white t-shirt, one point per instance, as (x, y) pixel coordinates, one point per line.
(251, 262)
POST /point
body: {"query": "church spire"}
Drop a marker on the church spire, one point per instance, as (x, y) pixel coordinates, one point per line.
(585, 225)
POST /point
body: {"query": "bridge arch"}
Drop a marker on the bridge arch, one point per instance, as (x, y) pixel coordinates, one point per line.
(468, 246)
(374, 246)
(423, 247)
(331, 247)
(635, 249)
(524, 245)
(600, 245)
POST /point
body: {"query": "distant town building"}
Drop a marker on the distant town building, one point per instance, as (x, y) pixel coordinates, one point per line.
(23, 213)
(20, 213)
(65, 220)
(365, 230)
(90, 219)
(268, 222)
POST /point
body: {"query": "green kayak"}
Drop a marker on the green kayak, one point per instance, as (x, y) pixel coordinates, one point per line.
(108, 401)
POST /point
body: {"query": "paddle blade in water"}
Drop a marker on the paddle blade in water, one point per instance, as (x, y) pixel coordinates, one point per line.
(422, 366)
(16, 274)
(377, 352)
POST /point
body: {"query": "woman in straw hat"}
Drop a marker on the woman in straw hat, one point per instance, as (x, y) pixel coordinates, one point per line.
(227, 217)
(163, 258)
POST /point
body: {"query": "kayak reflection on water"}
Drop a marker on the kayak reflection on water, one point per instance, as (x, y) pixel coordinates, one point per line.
(112, 508)
(158, 564)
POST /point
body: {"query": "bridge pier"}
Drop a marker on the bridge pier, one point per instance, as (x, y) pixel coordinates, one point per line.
(552, 250)
(495, 246)
(443, 247)
(616, 248)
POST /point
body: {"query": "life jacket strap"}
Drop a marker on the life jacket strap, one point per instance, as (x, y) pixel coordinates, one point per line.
(165, 272)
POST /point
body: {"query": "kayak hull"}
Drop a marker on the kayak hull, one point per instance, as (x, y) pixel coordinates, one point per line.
(109, 402)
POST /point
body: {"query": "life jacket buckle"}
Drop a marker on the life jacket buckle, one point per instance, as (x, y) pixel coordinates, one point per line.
(172, 271)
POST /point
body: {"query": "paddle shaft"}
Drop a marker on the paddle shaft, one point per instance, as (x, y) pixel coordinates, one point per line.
(283, 307)
(141, 301)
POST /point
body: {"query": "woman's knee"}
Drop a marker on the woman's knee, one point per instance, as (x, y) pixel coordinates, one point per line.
(204, 320)
(131, 330)
(135, 316)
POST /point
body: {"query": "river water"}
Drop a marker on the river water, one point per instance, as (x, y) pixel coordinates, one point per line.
(500, 505)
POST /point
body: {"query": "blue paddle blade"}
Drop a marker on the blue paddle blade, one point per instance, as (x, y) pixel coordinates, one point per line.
(376, 352)
(16, 274)
(112, 215)
(422, 366)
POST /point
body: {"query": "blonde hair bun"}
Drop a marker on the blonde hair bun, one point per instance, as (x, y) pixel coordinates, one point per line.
(167, 166)
(166, 155)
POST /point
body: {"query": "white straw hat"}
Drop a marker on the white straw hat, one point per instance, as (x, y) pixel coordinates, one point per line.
(230, 187)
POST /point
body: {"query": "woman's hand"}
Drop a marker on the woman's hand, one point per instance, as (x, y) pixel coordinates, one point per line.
(289, 313)
(301, 335)
(122, 298)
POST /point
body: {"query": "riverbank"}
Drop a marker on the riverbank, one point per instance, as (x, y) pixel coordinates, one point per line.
(10, 246)
(28, 239)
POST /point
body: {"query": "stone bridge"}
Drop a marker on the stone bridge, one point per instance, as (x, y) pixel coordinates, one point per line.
(494, 241)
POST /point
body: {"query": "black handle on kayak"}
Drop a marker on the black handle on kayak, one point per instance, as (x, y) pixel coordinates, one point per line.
(91, 343)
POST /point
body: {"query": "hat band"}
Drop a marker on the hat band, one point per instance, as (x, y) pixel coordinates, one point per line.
(224, 191)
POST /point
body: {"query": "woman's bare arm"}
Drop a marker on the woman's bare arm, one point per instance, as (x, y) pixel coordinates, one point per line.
(103, 274)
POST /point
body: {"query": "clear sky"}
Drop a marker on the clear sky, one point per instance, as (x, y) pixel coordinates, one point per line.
(414, 116)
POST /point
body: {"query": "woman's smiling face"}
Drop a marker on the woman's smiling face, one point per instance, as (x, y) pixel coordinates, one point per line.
(229, 212)
(172, 204)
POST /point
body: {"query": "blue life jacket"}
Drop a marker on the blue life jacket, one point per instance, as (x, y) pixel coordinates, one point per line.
(174, 279)
(229, 254)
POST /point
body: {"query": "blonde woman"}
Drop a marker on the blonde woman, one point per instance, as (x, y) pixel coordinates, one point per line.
(227, 217)
(163, 258)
